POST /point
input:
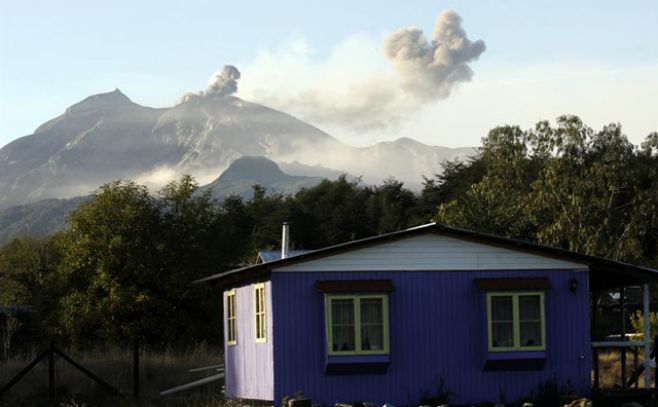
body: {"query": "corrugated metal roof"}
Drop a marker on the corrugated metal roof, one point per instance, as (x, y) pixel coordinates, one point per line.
(599, 263)
(266, 256)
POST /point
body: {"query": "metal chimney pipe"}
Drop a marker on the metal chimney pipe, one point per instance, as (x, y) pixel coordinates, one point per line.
(285, 239)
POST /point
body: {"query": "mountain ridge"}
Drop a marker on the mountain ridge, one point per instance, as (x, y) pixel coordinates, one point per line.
(107, 136)
(247, 171)
(48, 216)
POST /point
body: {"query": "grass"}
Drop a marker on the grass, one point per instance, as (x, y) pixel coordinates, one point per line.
(159, 370)
(162, 370)
(610, 368)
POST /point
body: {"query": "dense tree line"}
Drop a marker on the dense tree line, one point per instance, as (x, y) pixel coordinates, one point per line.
(124, 265)
(564, 186)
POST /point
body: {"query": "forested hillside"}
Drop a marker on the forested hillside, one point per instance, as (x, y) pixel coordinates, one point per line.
(124, 264)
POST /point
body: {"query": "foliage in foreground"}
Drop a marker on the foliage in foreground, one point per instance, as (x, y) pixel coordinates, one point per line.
(124, 266)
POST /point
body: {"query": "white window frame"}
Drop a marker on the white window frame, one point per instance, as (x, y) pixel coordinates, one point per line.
(231, 319)
(260, 314)
(516, 335)
(357, 323)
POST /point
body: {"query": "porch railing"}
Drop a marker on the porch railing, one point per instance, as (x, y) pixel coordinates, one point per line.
(624, 345)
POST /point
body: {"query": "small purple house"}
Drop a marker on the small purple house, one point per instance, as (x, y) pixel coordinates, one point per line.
(388, 318)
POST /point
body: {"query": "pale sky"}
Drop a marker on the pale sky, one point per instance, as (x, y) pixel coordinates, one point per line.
(598, 60)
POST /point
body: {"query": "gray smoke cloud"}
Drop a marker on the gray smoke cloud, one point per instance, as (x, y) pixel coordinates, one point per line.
(429, 69)
(224, 82)
(368, 105)
(425, 70)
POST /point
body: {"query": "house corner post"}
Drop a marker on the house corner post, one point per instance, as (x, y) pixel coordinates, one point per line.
(647, 337)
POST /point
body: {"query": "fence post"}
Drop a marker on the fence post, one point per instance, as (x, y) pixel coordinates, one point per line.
(594, 337)
(653, 355)
(136, 367)
(51, 375)
(647, 334)
(622, 315)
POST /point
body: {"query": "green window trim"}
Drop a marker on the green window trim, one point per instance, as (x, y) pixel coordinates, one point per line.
(357, 324)
(231, 319)
(261, 319)
(516, 322)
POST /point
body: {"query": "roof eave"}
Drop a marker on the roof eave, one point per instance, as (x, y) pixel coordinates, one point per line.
(592, 262)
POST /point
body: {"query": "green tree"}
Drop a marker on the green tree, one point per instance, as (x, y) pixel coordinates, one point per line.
(332, 212)
(497, 201)
(193, 243)
(28, 277)
(129, 259)
(565, 186)
(391, 206)
(265, 214)
(111, 267)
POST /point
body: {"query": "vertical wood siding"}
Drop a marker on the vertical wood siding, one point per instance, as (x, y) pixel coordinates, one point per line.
(437, 328)
(249, 365)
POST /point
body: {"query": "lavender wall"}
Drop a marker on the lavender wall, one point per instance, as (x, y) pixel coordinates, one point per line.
(438, 326)
(249, 365)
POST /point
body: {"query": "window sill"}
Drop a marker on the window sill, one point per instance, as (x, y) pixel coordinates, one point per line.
(515, 361)
(356, 364)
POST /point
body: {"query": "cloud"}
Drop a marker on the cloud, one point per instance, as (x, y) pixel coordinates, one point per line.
(365, 85)
(372, 104)
(157, 177)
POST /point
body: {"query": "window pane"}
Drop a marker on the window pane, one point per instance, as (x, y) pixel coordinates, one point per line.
(230, 316)
(372, 337)
(372, 311)
(343, 338)
(501, 308)
(529, 307)
(342, 312)
(261, 333)
(342, 325)
(530, 333)
(260, 294)
(502, 334)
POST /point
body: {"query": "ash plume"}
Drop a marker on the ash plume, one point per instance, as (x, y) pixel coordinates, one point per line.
(224, 82)
(429, 69)
(425, 69)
